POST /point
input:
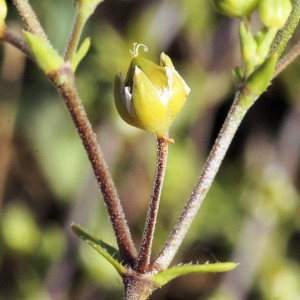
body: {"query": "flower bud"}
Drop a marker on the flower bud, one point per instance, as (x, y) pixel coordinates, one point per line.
(274, 13)
(235, 8)
(151, 95)
(3, 13)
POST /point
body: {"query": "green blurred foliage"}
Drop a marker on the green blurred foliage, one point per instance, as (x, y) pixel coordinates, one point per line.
(251, 213)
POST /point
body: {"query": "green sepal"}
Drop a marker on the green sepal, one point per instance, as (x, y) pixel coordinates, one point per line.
(121, 100)
(111, 254)
(164, 277)
(154, 72)
(238, 76)
(264, 39)
(81, 53)
(258, 81)
(45, 56)
(149, 111)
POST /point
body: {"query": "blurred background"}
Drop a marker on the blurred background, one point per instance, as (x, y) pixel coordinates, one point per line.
(251, 214)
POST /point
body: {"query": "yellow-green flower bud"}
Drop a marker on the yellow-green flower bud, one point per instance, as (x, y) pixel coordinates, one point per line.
(3, 13)
(235, 8)
(274, 13)
(151, 95)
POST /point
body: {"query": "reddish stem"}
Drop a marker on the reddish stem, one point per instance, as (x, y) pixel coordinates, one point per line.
(211, 167)
(147, 239)
(115, 210)
(12, 39)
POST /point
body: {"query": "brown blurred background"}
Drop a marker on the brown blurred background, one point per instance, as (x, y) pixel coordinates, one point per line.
(251, 214)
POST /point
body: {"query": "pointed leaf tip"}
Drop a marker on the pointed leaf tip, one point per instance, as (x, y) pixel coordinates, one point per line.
(44, 54)
(81, 53)
(164, 277)
(108, 252)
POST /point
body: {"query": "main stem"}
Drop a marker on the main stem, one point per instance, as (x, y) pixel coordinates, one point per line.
(147, 239)
(65, 85)
(211, 167)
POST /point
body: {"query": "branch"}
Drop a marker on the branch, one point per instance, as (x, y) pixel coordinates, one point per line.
(64, 81)
(84, 9)
(211, 167)
(12, 39)
(287, 59)
(30, 19)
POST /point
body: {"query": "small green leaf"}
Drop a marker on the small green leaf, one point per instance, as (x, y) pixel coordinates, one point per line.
(44, 54)
(264, 39)
(81, 53)
(258, 81)
(164, 277)
(108, 252)
(248, 48)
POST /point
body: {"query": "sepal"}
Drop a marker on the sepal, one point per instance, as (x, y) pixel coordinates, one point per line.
(258, 81)
(81, 53)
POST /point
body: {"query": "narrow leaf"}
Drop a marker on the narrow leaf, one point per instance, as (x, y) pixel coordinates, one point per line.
(164, 277)
(81, 53)
(44, 54)
(258, 81)
(108, 252)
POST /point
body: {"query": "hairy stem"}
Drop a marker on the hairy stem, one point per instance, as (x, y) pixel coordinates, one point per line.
(213, 162)
(137, 287)
(84, 9)
(66, 87)
(75, 34)
(287, 59)
(211, 167)
(30, 19)
(147, 239)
